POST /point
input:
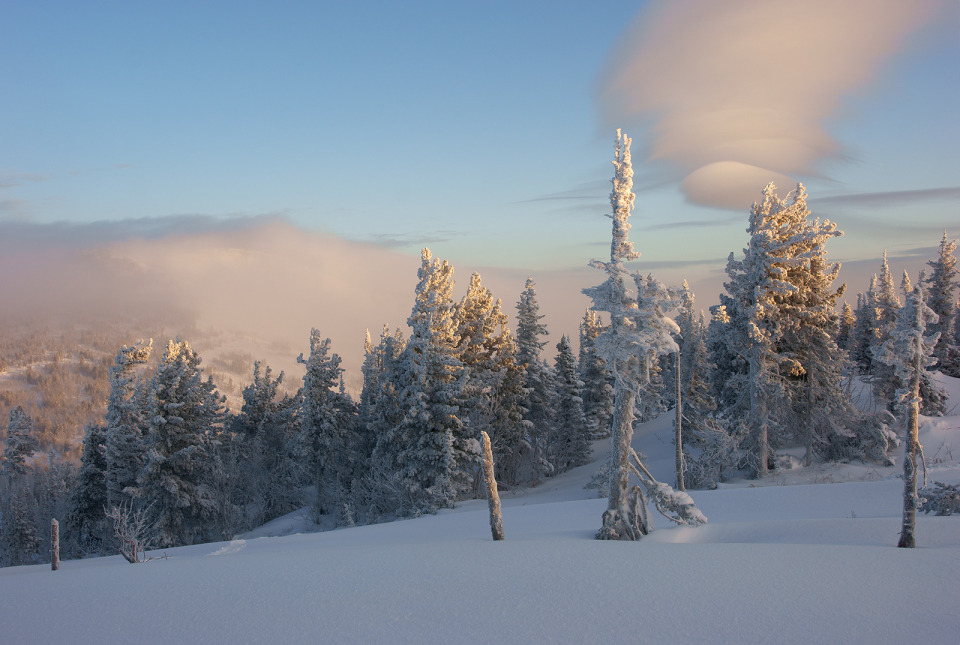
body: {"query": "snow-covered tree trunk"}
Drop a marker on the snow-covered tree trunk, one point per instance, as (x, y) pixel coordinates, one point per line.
(620, 520)
(910, 501)
(909, 352)
(679, 428)
(493, 498)
(54, 545)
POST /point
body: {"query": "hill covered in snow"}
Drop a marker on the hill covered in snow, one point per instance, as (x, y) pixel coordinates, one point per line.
(808, 556)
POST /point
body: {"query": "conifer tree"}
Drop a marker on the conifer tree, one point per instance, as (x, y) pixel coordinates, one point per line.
(268, 426)
(493, 392)
(88, 499)
(845, 330)
(637, 329)
(536, 380)
(432, 446)
(20, 443)
(569, 447)
(126, 424)
(772, 297)
(883, 297)
(181, 462)
(597, 390)
(942, 287)
(329, 430)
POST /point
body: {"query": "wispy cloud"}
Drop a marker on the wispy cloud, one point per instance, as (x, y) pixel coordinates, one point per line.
(737, 92)
(702, 223)
(889, 199)
(408, 240)
(14, 179)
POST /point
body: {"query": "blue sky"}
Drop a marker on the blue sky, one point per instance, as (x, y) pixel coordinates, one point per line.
(485, 130)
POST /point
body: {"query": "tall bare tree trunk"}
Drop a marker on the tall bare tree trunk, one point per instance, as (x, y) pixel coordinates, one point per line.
(620, 521)
(54, 544)
(493, 498)
(907, 532)
(679, 439)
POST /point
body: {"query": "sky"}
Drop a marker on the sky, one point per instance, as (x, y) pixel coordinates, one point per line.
(246, 140)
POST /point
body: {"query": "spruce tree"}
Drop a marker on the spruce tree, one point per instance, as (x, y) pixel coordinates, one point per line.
(570, 447)
(430, 435)
(942, 287)
(536, 381)
(88, 499)
(185, 421)
(493, 392)
(329, 426)
(597, 390)
(270, 468)
(20, 443)
(126, 424)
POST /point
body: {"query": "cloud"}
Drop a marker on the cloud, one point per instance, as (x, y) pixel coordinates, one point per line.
(737, 92)
(889, 199)
(260, 276)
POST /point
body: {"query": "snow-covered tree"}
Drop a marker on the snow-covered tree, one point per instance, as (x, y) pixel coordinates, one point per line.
(909, 352)
(883, 297)
(537, 379)
(779, 300)
(865, 331)
(845, 330)
(638, 331)
(88, 498)
(329, 425)
(942, 287)
(493, 393)
(570, 447)
(20, 443)
(126, 424)
(381, 489)
(185, 420)
(597, 390)
(268, 428)
(432, 445)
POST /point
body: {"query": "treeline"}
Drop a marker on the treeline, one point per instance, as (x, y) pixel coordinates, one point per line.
(168, 449)
(771, 370)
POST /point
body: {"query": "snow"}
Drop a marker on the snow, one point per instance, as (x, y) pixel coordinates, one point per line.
(794, 560)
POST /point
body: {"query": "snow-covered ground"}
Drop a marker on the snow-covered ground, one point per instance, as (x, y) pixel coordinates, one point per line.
(808, 557)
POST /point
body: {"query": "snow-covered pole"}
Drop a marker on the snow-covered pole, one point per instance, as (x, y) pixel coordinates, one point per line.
(54, 545)
(493, 498)
(679, 439)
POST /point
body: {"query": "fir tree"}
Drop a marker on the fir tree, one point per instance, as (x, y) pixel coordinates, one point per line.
(328, 420)
(493, 393)
(569, 447)
(772, 297)
(20, 443)
(270, 471)
(536, 380)
(177, 476)
(88, 499)
(941, 287)
(126, 424)
(430, 433)
(597, 390)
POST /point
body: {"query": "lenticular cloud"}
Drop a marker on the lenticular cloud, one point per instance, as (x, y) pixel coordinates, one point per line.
(737, 92)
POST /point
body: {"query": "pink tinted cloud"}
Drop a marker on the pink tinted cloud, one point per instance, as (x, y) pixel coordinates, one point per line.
(738, 90)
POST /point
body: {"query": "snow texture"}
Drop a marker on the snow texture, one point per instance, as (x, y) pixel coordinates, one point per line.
(809, 558)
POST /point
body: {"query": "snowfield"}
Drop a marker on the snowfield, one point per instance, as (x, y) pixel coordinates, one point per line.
(807, 557)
